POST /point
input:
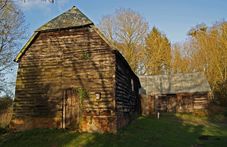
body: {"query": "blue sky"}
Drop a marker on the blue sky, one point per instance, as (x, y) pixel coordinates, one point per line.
(172, 17)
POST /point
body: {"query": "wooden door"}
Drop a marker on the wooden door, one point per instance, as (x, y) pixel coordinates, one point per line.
(71, 110)
(162, 104)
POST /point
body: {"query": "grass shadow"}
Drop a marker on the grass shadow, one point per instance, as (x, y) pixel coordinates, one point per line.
(169, 130)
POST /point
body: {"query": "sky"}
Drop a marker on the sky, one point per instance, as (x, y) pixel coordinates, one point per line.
(173, 17)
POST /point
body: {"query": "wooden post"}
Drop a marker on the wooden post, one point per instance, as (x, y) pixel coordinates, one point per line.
(157, 106)
(63, 110)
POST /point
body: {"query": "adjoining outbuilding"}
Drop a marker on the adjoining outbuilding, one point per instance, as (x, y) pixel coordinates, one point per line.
(70, 76)
(174, 93)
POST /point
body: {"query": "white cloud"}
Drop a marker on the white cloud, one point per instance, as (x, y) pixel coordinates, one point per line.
(43, 5)
(26, 5)
(61, 4)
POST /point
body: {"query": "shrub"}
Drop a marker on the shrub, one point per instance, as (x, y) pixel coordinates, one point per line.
(220, 93)
(214, 109)
(225, 113)
(217, 113)
(5, 103)
(5, 111)
(5, 117)
(3, 130)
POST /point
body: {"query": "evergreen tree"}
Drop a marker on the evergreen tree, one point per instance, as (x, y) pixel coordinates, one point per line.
(157, 53)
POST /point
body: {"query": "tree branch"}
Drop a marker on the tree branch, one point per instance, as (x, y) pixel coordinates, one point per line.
(5, 3)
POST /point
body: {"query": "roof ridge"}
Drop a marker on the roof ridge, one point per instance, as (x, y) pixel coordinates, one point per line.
(68, 19)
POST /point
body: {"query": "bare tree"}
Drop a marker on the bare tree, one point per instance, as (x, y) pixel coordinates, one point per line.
(3, 4)
(126, 29)
(12, 29)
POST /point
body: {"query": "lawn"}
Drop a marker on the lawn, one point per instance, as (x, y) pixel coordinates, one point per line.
(169, 130)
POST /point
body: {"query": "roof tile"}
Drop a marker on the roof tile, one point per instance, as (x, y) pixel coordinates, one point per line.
(71, 18)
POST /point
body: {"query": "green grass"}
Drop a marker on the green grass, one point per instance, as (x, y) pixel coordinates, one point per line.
(169, 130)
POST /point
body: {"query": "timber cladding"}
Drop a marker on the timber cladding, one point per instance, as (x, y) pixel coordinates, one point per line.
(182, 102)
(189, 92)
(72, 78)
(127, 93)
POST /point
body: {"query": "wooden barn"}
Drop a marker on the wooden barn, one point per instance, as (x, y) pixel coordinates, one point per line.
(174, 93)
(70, 76)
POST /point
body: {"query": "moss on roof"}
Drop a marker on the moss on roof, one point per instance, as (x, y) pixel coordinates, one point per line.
(71, 18)
(175, 83)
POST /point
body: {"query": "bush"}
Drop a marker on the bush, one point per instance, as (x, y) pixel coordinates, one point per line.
(5, 111)
(5, 117)
(214, 109)
(5, 103)
(3, 130)
(217, 113)
(225, 113)
(220, 93)
(219, 118)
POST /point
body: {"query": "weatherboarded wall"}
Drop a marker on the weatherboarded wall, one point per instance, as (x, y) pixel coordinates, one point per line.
(74, 71)
(61, 60)
(147, 105)
(181, 102)
(127, 93)
(175, 93)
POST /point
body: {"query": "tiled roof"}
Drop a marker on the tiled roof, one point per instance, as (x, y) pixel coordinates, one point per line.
(175, 83)
(71, 18)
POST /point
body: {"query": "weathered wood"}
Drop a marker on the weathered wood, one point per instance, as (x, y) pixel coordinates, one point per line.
(127, 100)
(71, 60)
(181, 102)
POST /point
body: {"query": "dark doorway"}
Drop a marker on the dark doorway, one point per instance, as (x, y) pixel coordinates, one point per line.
(161, 103)
(71, 110)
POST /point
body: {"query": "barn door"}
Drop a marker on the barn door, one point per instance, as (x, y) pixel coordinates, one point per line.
(161, 104)
(71, 109)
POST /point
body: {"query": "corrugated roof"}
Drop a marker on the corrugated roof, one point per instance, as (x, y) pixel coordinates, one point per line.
(175, 83)
(71, 18)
